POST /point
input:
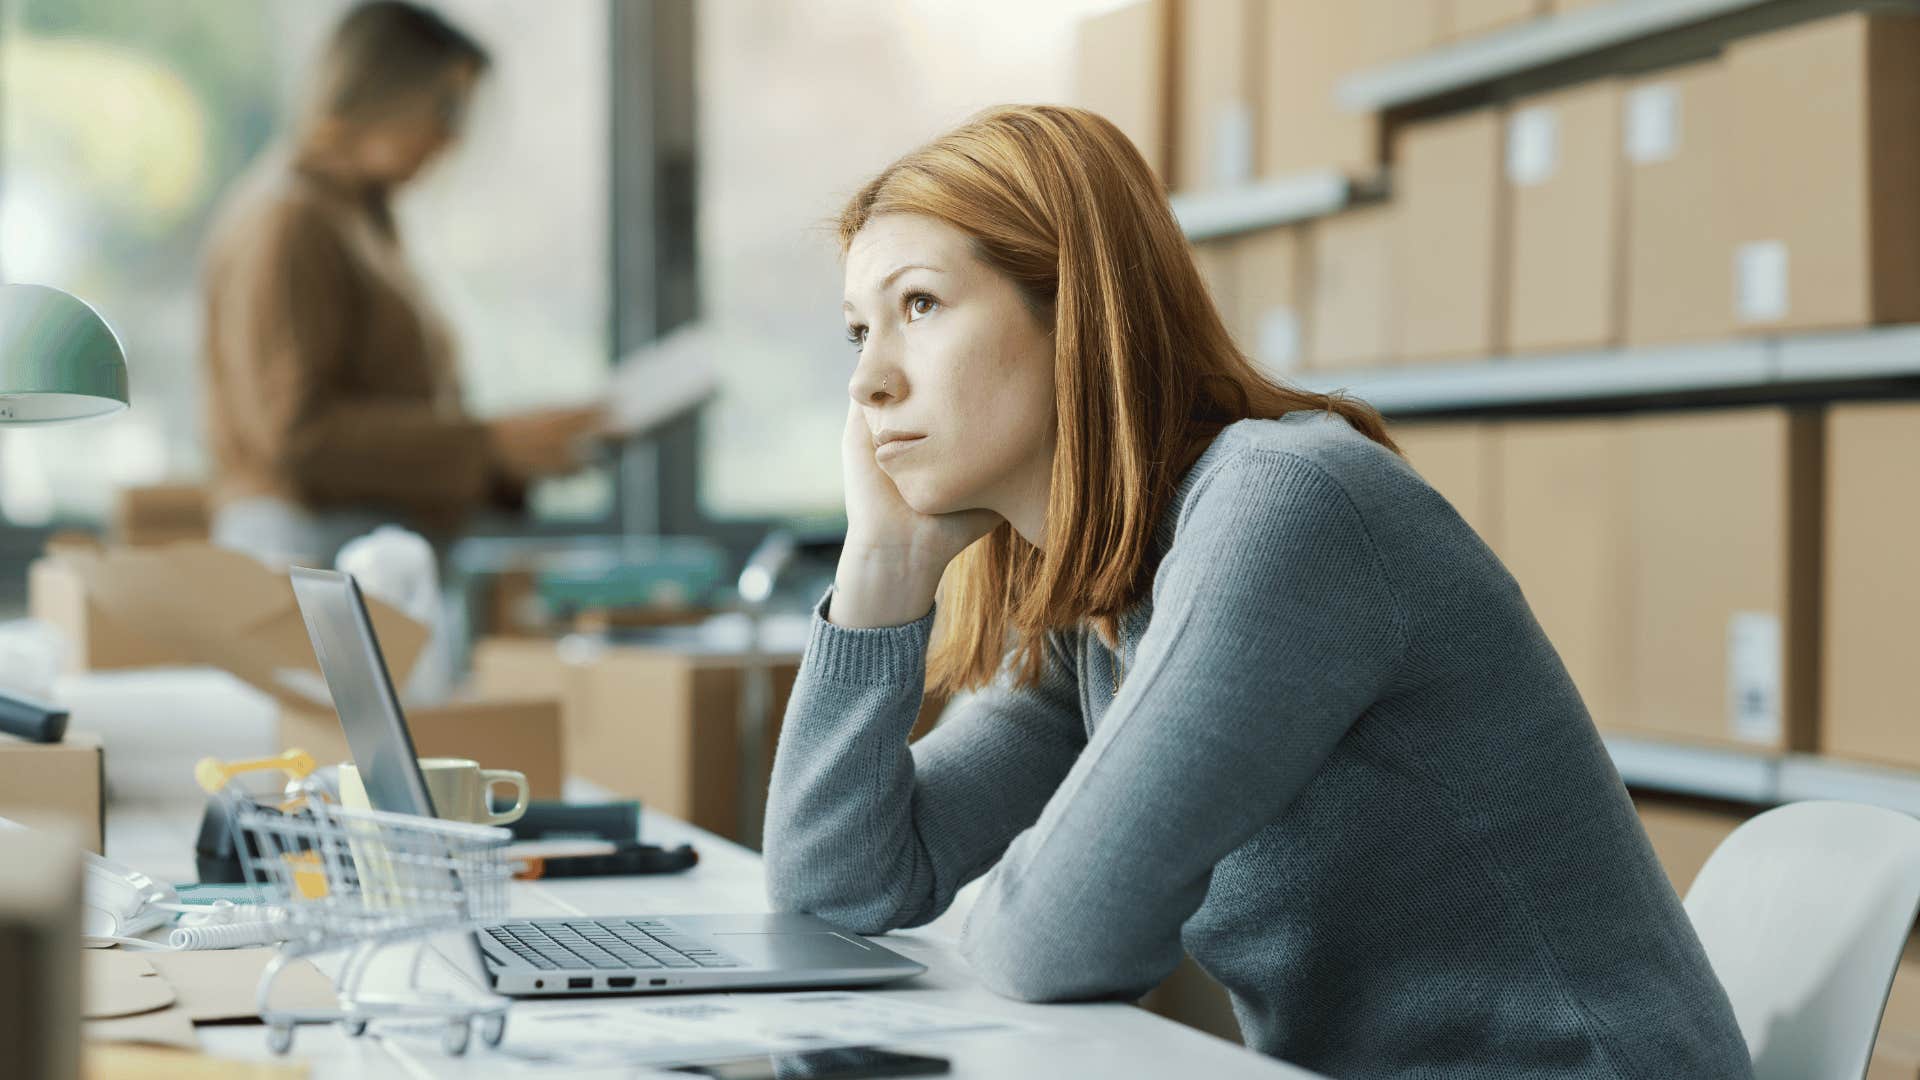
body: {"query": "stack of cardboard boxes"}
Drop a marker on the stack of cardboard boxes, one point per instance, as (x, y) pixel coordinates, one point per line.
(1736, 577)
(1720, 576)
(1762, 191)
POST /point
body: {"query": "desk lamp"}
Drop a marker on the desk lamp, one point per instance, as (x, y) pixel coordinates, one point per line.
(59, 361)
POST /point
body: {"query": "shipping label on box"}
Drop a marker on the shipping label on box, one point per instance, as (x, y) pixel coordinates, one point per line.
(1754, 676)
(1653, 123)
(1761, 282)
(1533, 145)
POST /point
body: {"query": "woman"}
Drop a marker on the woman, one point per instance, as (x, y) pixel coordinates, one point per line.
(1271, 698)
(333, 400)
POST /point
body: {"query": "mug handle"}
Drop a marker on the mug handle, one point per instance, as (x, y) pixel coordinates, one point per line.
(490, 777)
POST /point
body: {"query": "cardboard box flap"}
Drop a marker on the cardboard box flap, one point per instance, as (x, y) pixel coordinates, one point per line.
(226, 609)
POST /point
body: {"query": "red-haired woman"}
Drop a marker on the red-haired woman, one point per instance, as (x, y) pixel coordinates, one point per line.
(1270, 699)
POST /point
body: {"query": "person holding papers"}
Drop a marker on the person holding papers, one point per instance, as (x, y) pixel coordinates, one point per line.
(1269, 700)
(333, 399)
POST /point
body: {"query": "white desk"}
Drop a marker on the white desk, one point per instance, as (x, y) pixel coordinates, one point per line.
(1095, 1040)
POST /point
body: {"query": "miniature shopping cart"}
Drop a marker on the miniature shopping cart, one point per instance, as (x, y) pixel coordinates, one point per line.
(359, 881)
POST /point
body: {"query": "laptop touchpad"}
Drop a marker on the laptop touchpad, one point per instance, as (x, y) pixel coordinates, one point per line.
(805, 948)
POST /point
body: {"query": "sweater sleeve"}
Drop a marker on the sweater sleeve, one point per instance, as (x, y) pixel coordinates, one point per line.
(1274, 628)
(873, 834)
(288, 333)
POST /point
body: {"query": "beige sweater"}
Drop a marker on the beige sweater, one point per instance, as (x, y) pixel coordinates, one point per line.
(330, 380)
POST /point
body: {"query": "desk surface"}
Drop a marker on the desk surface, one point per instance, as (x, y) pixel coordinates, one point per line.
(1093, 1040)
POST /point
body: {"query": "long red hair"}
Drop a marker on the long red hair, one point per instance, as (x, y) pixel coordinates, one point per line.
(1145, 371)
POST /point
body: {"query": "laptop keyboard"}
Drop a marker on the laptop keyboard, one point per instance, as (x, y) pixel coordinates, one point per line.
(607, 945)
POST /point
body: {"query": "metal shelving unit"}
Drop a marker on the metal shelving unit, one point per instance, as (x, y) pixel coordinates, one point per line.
(1759, 779)
(1206, 215)
(1741, 776)
(1884, 353)
(1526, 47)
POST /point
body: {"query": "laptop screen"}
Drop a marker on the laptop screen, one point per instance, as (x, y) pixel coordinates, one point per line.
(362, 690)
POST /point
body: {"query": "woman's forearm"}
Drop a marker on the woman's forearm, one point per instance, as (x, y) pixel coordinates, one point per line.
(839, 840)
(875, 835)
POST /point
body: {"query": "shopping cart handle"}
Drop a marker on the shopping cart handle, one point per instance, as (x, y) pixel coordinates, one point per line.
(214, 774)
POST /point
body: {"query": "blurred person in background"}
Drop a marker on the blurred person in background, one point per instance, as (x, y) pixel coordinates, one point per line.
(1270, 701)
(333, 395)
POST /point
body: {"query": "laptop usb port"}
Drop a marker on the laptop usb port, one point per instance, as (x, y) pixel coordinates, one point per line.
(580, 983)
(656, 982)
(620, 982)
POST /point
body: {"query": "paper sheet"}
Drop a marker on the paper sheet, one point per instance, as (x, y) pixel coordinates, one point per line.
(220, 985)
(713, 1027)
(663, 380)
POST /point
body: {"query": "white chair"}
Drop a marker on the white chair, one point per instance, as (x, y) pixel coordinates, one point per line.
(1803, 911)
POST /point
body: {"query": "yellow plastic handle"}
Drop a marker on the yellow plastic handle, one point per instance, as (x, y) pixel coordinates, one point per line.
(214, 774)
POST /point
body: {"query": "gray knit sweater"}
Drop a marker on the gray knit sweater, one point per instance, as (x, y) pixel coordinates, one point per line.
(1345, 770)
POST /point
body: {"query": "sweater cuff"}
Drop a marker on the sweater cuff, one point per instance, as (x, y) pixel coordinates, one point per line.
(874, 656)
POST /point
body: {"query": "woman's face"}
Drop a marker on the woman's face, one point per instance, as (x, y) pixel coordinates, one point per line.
(949, 352)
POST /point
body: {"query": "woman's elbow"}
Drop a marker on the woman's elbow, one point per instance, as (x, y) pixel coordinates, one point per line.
(1015, 966)
(858, 911)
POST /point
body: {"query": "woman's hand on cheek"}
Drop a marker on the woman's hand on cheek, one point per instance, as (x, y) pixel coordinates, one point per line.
(894, 554)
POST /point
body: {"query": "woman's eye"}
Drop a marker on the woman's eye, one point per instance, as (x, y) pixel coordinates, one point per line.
(857, 335)
(920, 304)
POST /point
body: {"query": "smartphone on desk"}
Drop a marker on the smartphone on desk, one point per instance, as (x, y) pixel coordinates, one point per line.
(844, 1063)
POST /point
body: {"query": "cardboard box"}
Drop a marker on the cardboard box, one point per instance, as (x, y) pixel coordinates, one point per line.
(1684, 834)
(1679, 243)
(1219, 91)
(56, 785)
(1562, 7)
(1726, 590)
(1869, 641)
(658, 724)
(1827, 229)
(95, 641)
(1354, 289)
(654, 724)
(161, 514)
(1215, 260)
(1565, 536)
(1450, 193)
(192, 603)
(1565, 233)
(1309, 47)
(1123, 70)
(1472, 18)
(1271, 276)
(499, 731)
(1459, 460)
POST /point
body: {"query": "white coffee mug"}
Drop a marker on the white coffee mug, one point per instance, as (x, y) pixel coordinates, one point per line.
(460, 789)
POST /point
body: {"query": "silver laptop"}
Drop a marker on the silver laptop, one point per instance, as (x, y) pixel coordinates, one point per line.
(640, 954)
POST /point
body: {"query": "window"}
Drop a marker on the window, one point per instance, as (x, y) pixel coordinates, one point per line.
(122, 124)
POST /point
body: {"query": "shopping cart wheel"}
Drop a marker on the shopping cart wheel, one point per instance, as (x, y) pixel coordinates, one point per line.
(454, 1039)
(356, 1026)
(493, 1029)
(280, 1038)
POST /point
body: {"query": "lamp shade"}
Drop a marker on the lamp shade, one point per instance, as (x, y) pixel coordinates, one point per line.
(59, 360)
